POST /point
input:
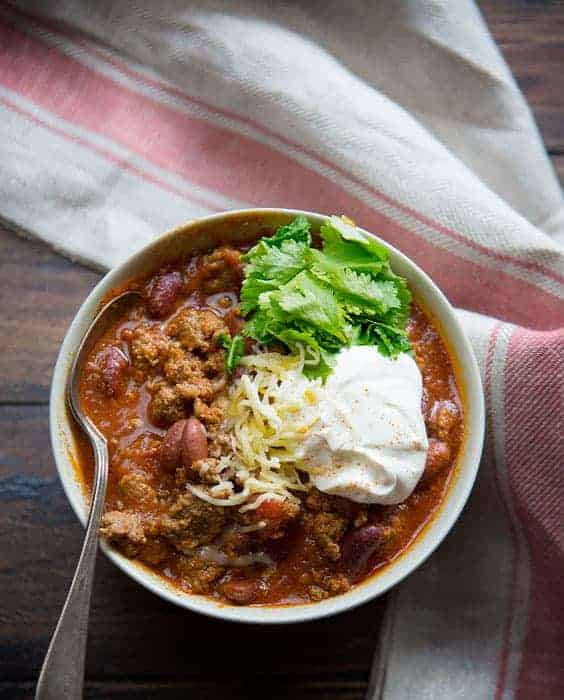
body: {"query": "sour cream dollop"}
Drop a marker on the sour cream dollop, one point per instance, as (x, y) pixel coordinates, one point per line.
(369, 444)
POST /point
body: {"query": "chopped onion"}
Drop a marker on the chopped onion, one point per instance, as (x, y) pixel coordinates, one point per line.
(218, 557)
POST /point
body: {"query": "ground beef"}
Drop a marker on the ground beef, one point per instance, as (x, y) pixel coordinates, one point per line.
(148, 347)
(166, 405)
(188, 524)
(321, 585)
(327, 518)
(154, 551)
(211, 414)
(337, 583)
(125, 529)
(319, 502)
(317, 593)
(198, 573)
(220, 442)
(196, 329)
(191, 522)
(236, 543)
(134, 487)
(185, 371)
(327, 530)
(210, 471)
(182, 363)
(222, 270)
(214, 364)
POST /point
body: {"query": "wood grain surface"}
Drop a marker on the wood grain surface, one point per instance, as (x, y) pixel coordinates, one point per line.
(140, 646)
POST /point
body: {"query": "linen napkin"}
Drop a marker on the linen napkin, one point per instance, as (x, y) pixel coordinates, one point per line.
(119, 120)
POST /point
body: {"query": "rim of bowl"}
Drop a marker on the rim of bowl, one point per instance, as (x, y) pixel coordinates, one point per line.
(433, 533)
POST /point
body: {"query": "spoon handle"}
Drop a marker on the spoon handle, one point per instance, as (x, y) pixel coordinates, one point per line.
(62, 674)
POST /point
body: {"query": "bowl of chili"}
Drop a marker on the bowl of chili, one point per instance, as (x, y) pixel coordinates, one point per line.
(155, 386)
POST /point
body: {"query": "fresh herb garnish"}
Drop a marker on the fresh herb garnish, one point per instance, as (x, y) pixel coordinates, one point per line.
(235, 350)
(344, 294)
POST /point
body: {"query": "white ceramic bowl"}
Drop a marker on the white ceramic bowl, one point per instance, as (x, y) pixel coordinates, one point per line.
(240, 226)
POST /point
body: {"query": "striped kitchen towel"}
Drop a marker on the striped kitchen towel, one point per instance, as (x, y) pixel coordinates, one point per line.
(120, 119)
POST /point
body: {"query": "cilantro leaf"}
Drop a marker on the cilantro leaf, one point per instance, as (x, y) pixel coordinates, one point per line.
(322, 300)
(390, 341)
(352, 254)
(235, 350)
(306, 300)
(343, 236)
(358, 291)
(272, 267)
(298, 230)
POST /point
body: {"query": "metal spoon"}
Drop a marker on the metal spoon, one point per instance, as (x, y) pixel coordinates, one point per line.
(62, 674)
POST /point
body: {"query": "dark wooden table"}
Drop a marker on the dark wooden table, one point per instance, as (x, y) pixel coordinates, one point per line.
(139, 646)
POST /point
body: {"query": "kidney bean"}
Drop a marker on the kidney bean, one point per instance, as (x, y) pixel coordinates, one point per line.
(185, 442)
(171, 447)
(438, 457)
(162, 292)
(357, 548)
(194, 442)
(443, 417)
(241, 591)
(113, 364)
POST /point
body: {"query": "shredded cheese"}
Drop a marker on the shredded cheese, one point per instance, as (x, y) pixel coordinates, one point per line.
(271, 408)
(260, 500)
(235, 500)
